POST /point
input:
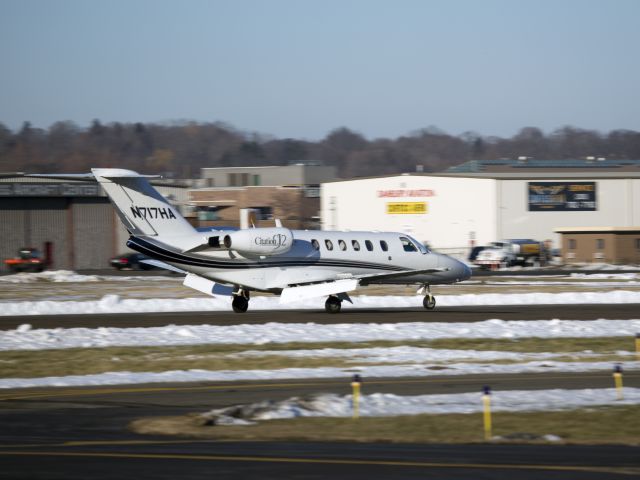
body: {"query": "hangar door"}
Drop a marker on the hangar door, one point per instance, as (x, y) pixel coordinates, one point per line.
(30, 222)
(93, 233)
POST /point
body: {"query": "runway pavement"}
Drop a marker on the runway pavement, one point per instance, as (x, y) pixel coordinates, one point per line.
(79, 433)
(391, 315)
(82, 433)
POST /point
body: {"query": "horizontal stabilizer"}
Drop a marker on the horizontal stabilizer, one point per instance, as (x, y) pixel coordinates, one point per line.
(159, 264)
(375, 277)
(293, 294)
(207, 286)
(113, 173)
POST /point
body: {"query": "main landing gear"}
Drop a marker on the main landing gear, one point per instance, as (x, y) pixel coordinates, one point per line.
(333, 304)
(429, 301)
(240, 302)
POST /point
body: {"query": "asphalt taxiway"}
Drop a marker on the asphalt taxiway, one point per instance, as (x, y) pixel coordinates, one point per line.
(80, 433)
(348, 315)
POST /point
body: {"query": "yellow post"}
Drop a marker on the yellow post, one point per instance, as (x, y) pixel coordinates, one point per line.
(638, 346)
(356, 395)
(486, 402)
(617, 377)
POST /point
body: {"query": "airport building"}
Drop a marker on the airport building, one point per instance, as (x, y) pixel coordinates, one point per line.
(245, 196)
(74, 218)
(484, 202)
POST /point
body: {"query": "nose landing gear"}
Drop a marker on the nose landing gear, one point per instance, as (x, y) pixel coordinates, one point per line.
(240, 303)
(429, 301)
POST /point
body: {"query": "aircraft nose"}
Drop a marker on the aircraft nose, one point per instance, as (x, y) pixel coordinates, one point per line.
(460, 270)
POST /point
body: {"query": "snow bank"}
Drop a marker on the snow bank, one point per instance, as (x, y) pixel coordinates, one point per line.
(116, 304)
(25, 338)
(68, 276)
(386, 404)
(415, 370)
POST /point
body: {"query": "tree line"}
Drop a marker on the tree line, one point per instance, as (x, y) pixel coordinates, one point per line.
(181, 149)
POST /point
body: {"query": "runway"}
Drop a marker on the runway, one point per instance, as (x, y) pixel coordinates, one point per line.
(82, 432)
(391, 315)
(79, 433)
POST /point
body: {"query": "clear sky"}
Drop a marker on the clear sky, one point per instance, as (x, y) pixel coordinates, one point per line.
(299, 68)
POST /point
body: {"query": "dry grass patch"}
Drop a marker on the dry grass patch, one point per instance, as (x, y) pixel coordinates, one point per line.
(607, 425)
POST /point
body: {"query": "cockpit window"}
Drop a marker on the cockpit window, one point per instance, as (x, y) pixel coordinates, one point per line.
(407, 245)
(418, 244)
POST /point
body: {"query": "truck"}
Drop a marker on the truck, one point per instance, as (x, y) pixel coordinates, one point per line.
(506, 253)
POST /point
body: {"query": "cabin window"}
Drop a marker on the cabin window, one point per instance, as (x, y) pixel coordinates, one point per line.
(407, 245)
(356, 245)
(315, 244)
(342, 245)
(369, 245)
(328, 244)
(384, 246)
(600, 244)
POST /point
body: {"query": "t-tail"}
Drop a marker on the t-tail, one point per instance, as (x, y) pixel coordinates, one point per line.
(141, 208)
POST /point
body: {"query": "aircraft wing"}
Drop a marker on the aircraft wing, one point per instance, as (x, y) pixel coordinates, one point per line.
(366, 279)
(341, 286)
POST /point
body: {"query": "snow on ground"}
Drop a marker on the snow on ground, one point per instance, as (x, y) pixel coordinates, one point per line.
(25, 338)
(116, 304)
(386, 404)
(415, 370)
(67, 276)
(406, 354)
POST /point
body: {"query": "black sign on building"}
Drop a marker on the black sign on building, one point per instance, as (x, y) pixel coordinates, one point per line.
(562, 196)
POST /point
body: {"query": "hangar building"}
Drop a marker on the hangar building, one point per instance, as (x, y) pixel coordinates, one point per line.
(455, 210)
(75, 217)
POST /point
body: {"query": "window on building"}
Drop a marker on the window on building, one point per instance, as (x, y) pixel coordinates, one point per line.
(600, 244)
(342, 245)
(637, 243)
(328, 244)
(263, 213)
(572, 244)
(355, 245)
(232, 180)
(244, 179)
(407, 245)
(315, 244)
(369, 245)
(384, 246)
(256, 180)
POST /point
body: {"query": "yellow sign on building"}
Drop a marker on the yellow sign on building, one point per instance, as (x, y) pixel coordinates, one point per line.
(406, 207)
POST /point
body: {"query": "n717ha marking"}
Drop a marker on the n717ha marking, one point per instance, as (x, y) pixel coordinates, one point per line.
(295, 264)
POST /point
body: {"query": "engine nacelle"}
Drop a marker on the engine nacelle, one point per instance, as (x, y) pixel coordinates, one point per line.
(260, 241)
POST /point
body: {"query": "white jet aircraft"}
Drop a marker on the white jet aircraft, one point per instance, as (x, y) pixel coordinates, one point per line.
(295, 264)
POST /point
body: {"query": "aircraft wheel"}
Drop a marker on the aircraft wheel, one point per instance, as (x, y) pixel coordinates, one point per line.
(429, 302)
(333, 304)
(240, 304)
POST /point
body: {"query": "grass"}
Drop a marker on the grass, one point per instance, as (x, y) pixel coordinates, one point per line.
(85, 361)
(606, 425)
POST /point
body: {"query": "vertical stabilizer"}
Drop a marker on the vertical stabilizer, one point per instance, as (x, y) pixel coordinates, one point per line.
(140, 206)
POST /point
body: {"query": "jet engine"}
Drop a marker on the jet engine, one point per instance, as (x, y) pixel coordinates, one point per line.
(259, 241)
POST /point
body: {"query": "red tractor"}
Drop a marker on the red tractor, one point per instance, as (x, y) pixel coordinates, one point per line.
(29, 260)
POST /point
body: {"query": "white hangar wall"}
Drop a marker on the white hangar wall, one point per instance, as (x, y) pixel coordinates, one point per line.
(457, 209)
(617, 204)
(460, 208)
